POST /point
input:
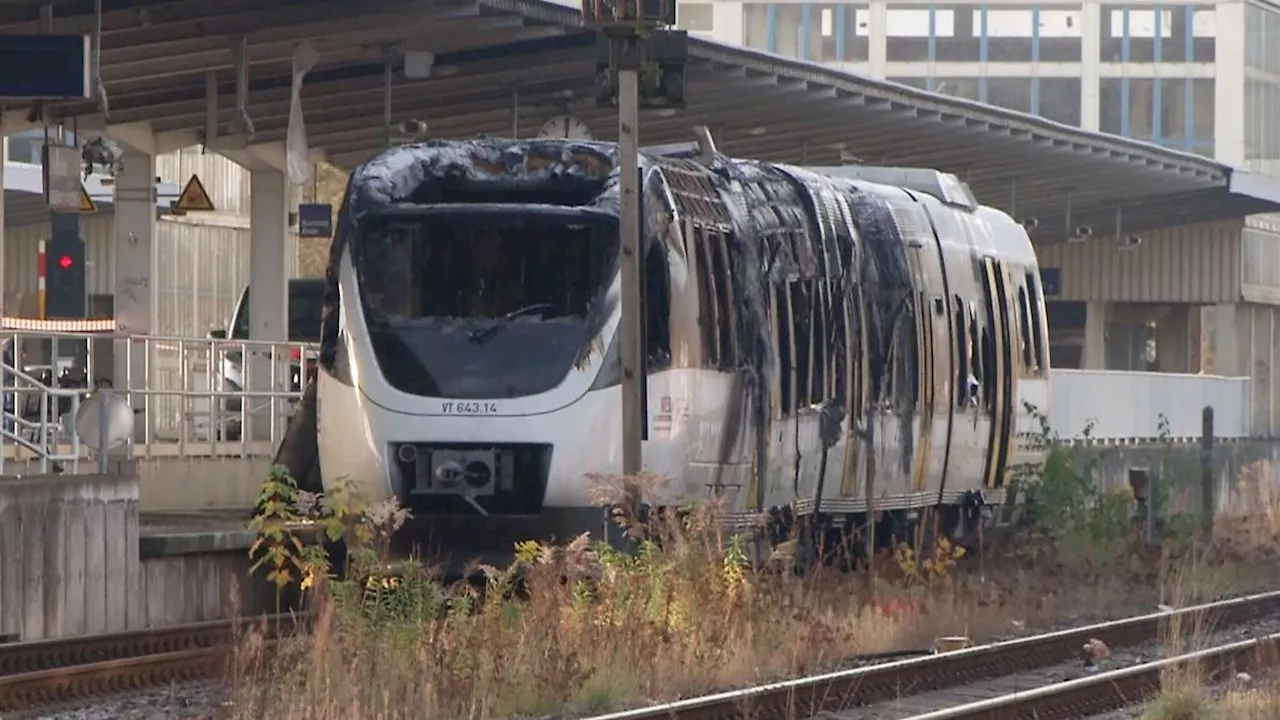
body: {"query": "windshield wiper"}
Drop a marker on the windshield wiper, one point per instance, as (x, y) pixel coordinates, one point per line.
(479, 336)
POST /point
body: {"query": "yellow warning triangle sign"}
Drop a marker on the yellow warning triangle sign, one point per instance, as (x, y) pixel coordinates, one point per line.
(87, 205)
(194, 198)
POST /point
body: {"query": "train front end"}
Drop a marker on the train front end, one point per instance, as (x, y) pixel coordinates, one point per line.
(470, 337)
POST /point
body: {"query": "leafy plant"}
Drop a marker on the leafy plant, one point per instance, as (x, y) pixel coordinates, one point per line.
(276, 545)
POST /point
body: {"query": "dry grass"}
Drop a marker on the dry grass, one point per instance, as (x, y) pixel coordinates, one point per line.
(1242, 546)
(591, 630)
(1262, 703)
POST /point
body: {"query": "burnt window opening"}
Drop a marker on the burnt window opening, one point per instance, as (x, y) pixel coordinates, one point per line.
(821, 341)
(840, 349)
(717, 316)
(1037, 319)
(924, 331)
(802, 331)
(906, 366)
(988, 369)
(1025, 341)
(484, 305)
(657, 306)
(728, 321)
(960, 329)
(706, 302)
(783, 337)
(975, 352)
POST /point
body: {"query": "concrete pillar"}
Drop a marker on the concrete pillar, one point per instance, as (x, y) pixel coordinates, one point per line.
(1195, 339)
(135, 266)
(1173, 340)
(1226, 345)
(878, 42)
(268, 288)
(1094, 356)
(1228, 87)
(1090, 48)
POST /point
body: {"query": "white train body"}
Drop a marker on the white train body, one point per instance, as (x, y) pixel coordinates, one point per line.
(833, 290)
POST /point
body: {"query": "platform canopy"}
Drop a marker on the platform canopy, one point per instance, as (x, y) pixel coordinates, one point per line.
(505, 67)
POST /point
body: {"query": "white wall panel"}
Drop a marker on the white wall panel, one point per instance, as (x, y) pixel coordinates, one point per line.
(1126, 405)
(226, 182)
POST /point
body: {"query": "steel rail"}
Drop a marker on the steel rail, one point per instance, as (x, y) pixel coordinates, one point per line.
(42, 672)
(1116, 689)
(846, 689)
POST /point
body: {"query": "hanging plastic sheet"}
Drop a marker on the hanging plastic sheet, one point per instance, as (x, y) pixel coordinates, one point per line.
(297, 154)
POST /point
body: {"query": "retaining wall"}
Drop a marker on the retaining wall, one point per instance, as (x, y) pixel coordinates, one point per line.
(69, 561)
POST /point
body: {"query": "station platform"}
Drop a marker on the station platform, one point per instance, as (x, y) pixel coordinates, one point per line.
(81, 559)
(190, 533)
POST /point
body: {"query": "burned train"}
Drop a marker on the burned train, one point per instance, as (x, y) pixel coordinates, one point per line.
(819, 340)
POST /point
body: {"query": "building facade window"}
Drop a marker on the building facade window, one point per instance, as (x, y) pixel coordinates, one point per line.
(969, 33)
(1164, 33)
(1174, 112)
(1057, 99)
(1013, 93)
(911, 33)
(817, 32)
(1262, 89)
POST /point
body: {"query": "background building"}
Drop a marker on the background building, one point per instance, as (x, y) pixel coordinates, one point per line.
(1148, 70)
(1202, 77)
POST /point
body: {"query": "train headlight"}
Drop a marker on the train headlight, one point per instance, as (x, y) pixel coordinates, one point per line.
(450, 473)
(478, 474)
(407, 453)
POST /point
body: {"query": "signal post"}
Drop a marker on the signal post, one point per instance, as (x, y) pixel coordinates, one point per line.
(640, 63)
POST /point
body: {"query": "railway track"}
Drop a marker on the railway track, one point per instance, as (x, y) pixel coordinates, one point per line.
(854, 694)
(1115, 689)
(45, 673)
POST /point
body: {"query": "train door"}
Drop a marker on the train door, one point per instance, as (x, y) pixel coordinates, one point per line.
(998, 368)
(723, 435)
(934, 347)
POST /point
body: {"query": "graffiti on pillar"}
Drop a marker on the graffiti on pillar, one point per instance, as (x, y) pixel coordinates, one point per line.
(131, 286)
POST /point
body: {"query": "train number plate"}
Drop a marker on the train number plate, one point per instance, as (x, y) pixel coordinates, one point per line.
(469, 408)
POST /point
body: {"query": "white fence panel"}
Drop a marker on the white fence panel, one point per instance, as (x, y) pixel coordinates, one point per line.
(1128, 405)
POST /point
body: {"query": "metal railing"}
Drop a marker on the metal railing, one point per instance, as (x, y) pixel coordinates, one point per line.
(47, 432)
(191, 396)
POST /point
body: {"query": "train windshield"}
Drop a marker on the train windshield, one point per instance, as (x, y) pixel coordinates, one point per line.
(485, 303)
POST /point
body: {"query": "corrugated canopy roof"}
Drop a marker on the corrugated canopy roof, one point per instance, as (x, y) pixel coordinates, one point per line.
(503, 67)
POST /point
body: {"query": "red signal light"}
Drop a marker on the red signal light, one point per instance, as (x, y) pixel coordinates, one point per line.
(65, 262)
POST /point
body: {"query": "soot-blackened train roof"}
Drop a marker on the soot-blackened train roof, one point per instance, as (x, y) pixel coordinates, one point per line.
(417, 173)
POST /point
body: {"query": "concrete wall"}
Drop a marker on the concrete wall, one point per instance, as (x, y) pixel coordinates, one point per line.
(1246, 475)
(69, 560)
(174, 479)
(198, 587)
(74, 560)
(1126, 406)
